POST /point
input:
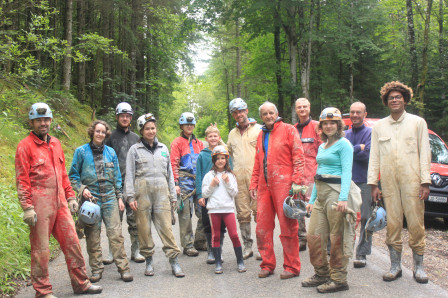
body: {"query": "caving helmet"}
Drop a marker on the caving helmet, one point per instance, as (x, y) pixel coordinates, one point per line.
(220, 150)
(237, 104)
(40, 110)
(330, 114)
(89, 213)
(143, 119)
(187, 118)
(124, 108)
(294, 209)
(377, 220)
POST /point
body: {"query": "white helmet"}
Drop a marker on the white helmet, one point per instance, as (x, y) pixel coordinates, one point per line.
(124, 108)
(187, 118)
(40, 110)
(143, 119)
(220, 150)
(237, 104)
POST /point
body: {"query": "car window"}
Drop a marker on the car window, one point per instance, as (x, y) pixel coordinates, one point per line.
(438, 150)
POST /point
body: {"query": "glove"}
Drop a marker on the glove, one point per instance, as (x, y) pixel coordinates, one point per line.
(30, 217)
(72, 205)
(299, 189)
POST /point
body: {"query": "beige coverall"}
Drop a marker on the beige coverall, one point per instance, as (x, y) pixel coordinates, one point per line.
(400, 152)
(242, 150)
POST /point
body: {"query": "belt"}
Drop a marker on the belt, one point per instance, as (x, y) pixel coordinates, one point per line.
(333, 180)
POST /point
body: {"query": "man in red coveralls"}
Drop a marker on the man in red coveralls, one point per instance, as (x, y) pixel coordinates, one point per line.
(45, 195)
(307, 128)
(279, 163)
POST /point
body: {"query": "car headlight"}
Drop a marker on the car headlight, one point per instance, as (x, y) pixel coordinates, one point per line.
(436, 179)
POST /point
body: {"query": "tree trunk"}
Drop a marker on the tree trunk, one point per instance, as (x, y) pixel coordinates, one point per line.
(82, 65)
(238, 58)
(278, 62)
(107, 15)
(67, 66)
(350, 67)
(412, 47)
(421, 85)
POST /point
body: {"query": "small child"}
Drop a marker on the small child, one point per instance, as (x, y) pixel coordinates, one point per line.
(220, 187)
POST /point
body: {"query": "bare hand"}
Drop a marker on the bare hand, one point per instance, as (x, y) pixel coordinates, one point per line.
(362, 146)
(201, 202)
(376, 193)
(120, 204)
(309, 208)
(342, 206)
(177, 189)
(423, 192)
(253, 194)
(133, 205)
(215, 182)
(225, 177)
(86, 193)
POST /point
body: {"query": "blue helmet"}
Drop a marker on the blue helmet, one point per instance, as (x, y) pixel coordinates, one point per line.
(237, 104)
(294, 209)
(40, 110)
(377, 220)
(187, 118)
(89, 213)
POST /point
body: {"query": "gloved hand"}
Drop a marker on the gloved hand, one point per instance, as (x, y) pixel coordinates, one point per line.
(72, 205)
(299, 189)
(30, 217)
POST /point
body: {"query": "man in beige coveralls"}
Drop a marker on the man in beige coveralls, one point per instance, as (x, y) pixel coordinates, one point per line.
(400, 152)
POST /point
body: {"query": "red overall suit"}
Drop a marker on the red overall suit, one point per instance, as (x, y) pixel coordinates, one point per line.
(42, 183)
(272, 178)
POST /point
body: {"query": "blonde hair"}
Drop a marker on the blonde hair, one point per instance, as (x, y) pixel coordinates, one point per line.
(213, 128)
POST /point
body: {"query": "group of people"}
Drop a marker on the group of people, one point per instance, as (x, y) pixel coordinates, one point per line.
(252, 174)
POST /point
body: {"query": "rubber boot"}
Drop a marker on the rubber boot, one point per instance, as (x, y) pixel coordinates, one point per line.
(210, 256)
(221, 241)
(419, 273)
(149, 267)
(239, 259)
(217, 254)
(135, 251)
(127, 276)
(175, 268)
(110, 258)
(302, 234)
(395, 265)
(247, 240)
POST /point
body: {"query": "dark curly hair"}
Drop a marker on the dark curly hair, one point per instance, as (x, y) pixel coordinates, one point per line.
(405, 90)
(92, 126)
(339, 134)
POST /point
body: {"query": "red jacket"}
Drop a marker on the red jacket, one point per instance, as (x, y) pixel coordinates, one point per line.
(181, 156)
(285, 158)
(310, 142)
(40, 168)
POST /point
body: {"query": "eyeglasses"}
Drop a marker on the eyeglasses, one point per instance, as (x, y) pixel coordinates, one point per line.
(396, 97)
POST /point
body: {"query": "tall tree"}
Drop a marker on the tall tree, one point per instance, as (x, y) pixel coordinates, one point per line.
(412, 47)
(67, 65)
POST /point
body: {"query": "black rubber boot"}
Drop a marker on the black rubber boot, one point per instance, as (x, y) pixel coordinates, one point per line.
(239, 259)
(210, 256)
(149, 268)
(217, 254)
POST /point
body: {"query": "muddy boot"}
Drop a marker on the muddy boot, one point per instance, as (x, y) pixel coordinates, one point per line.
(210, 256)
(315, 281)
(302, 234)
(221, 241)
(126, 276)
(360, 262)
(175, 268)
(149, 268)
(247, 240)
(191, 252)
(110, 258)
(419, 273)
(95, 277)
(135, 251)
(239, 259)
(331, 286)
(50, 296)
(217, 254)
(395, 265)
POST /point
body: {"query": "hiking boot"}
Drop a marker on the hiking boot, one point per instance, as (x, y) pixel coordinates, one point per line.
(360, 262)
(419, 273)
(50, 296)
(287, 275)
(264, 273)
(149, 268)
(93, 289)
(191, 252)
(95, 277)
(127, 276)
(175, 268)
(315, 281)
(395, 265)
(331, 286)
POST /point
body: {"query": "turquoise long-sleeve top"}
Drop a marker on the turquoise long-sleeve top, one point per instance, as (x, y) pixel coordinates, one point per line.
(336, 160)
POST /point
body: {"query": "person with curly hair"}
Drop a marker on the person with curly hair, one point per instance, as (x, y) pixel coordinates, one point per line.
(400, 152)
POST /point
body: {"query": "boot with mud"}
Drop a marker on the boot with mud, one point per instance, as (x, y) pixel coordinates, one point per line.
(191, 252)
(149, 271)
(331, 286)
(95, 277)
(110, 258)
(135, 250)
(175, 267)
(419, 273)
(395, 265)
(218, 263)
(247, 240)
(239, 259)
(210, 256)
(127, 276)
(315, 281)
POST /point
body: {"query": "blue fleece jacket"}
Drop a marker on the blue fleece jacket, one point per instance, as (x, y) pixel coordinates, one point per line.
(357, 136)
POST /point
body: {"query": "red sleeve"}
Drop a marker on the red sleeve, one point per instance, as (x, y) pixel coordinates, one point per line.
(256, 169)
(175, 156)
(22, 164)
(298, 157)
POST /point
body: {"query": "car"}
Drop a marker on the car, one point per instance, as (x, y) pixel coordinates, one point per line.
(436, 205)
